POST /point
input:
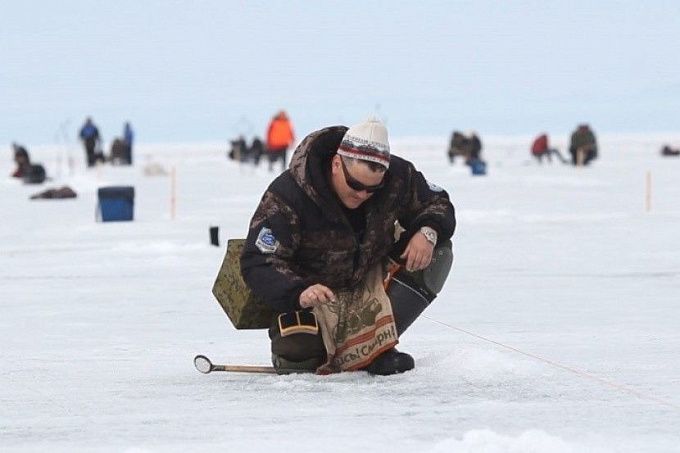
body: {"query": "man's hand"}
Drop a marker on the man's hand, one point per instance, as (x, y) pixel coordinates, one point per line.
(418, 253)
(315, 295)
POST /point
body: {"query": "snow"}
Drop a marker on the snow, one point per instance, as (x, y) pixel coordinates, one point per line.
(100, 321)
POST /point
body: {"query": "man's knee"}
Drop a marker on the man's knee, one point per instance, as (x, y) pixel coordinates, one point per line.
(412, 292)
(434, 276)
(430, 281)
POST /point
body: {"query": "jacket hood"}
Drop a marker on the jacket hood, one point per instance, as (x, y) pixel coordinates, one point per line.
(310, 163)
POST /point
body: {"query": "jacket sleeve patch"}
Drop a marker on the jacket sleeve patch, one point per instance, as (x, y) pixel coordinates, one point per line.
(266, 242)
(434, 187)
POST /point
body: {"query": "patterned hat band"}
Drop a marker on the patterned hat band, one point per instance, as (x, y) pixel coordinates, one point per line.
(364, 152)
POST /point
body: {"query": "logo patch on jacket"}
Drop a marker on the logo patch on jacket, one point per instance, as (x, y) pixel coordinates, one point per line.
(266, 241)
(434, 187)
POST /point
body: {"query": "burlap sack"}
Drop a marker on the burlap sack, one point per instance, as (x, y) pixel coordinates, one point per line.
(358, 326)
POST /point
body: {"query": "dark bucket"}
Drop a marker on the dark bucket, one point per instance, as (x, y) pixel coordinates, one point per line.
(215, 236)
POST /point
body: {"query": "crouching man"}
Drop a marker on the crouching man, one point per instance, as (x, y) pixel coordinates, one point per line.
(349, 246)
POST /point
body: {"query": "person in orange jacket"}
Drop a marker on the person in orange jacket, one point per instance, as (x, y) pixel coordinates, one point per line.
(280, 136)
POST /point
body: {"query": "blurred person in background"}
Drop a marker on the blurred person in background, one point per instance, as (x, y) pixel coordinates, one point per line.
(540, 148)
(89, 134)
(128, 138)
(280, 137)
(583, 145)
(21, 159)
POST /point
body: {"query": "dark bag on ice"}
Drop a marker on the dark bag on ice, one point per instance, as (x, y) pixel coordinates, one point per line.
(35, 174)
(53, 194)
(243, 309)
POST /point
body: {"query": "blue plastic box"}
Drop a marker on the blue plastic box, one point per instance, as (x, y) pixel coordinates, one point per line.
(116, 203)
(478, 167)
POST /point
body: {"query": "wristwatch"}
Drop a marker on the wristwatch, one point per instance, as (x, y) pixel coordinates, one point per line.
(430, 234)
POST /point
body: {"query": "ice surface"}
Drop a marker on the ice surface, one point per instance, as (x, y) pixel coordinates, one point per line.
(99, 322)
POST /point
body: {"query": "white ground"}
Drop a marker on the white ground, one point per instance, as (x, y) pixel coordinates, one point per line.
(99, 322)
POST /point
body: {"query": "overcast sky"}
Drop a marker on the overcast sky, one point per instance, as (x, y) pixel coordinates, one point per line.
(207, 70)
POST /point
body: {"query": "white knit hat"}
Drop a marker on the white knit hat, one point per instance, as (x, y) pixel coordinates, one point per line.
(367, 141)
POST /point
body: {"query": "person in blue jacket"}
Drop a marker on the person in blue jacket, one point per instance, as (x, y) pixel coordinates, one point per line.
(128, 137)
(89, 134)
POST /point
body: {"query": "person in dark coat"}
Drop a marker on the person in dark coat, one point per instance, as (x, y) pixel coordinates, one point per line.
(239, 149)
(128, 139)
(343, 210)
(458, 146)
(119, 152)
(668, 151)
(256, 150)
(475, 149)
(583, 145)
(22, 161)
(29, 172)
(89, 134)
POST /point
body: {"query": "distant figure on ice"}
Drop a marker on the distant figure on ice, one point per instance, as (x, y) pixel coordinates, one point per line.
(121, 148)
(468, 147)
(28, 172)
(241, 152)
(474, 161)
(118, 154)
(239, 149)
(22, 161)
(475, 148)
(89, 134)
(280, 136)
(541, 148)
(128, 139)
(326, 239)
(583, 146)
(668, 151)
(458, 146)
(256, 150)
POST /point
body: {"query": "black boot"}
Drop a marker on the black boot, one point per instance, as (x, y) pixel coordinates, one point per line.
(391, 362)
(284, 366)
(301, 352)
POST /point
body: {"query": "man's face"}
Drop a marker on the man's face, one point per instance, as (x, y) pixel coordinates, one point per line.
(354, 183)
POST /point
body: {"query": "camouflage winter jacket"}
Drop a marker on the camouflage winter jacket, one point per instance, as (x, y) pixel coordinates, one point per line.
(299, 235)
(583, 136)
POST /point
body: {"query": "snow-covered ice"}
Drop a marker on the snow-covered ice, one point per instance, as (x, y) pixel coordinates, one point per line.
(99, 322)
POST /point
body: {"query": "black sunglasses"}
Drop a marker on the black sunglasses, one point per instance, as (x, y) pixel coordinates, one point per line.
(357, 185)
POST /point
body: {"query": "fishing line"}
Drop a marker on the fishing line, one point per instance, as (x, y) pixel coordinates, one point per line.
(555, 364)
